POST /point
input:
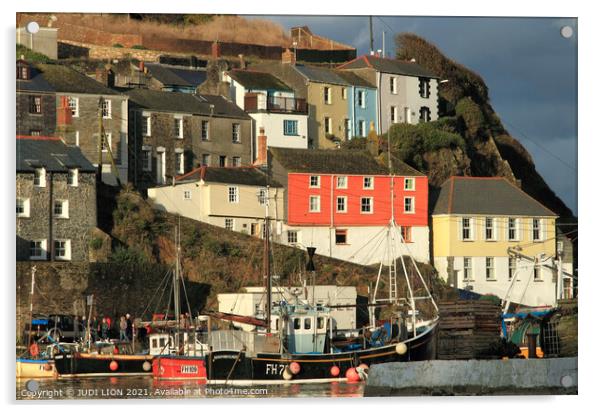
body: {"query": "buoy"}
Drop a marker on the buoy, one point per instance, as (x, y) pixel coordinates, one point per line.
(335, 371)
(286, 374)
(363, 366)
(113, 366)
(351, 375)
(295, 367)
(146, 366)
(34, 350)
(401, 348)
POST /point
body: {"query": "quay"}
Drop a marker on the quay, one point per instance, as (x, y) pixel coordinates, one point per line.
(473, 377)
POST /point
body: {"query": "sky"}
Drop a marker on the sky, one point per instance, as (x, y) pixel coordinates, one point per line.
(529, 67)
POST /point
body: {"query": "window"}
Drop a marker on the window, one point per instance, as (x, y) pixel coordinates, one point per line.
(291, 237)
(178, 128)
(22, 72)
(424, 87)
(393, 114)
(179, 162)
(327, 125)
(409, 184)
(263, 196)
(106, 109)
(76, 138)
(60, 208)
(489, 268)
(406, 234)
(233, 194)
(22, 207)
(344, 93)
(187, 195)
(361, 128)
(341, 204)
(72, 177)
(314, 203)
(290, 127)
(39, 177)
(307, 323)
(347, 128)
(425, 114)
(408, 204)
(205, 159)
(489, 229)
(204, 130)
(62, 249)
(327, 96)
(236, 132)
(35, 105)
(229, 224)
(511, 267)
(467, 268)
(537, 230)
(146, 156)
(368, 182)
(393, 85)
(320, 323)
(340, 236)
(37, 249)
(74, 106)
(35, 132)
(361, 98)
(314, 181)
(466, 229)
(106, 142)
(366, 205)
(512, 229)
(236, 161)
(537, 272)
(341, 182)
(297, 323)
(146, 125)
(223, 161)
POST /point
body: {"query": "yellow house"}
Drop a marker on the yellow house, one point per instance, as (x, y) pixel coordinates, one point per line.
(492, 238)
(231, 198)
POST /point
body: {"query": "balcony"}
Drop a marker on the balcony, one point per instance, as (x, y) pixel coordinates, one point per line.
(259, 102)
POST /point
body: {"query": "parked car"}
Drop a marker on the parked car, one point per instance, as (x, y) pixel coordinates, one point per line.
(59, 327)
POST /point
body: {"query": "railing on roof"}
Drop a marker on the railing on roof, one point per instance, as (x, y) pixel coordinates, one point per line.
(257, 101)
(235, 340)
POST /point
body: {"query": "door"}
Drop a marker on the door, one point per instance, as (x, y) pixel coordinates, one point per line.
(160, 167)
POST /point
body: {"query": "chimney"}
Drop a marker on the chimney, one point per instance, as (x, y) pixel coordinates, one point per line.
(288, 57)
(262, 148)
(216, 50)
(241, 60)
(141, 66)
(105, 76)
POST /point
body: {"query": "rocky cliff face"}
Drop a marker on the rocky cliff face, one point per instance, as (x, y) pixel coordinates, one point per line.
(487, 148)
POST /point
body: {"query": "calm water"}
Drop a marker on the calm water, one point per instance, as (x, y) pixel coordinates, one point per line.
(147, 388)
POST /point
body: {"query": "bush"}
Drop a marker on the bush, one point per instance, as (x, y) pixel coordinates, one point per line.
(96, 243)
(30, 55)
(128, 255)
(355, 143)
(472, 116)
(139, 47)
(118, 45)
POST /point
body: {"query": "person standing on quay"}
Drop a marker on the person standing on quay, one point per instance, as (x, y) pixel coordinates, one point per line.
(104, 329)
(128, 329)
(123, 325)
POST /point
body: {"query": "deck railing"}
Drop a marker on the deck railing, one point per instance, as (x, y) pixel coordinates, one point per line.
(256, 101)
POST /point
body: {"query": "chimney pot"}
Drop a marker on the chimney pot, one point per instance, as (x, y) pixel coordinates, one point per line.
(216, 50)
(289, 57)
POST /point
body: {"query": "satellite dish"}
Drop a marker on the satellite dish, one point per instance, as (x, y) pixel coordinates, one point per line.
(32, 27)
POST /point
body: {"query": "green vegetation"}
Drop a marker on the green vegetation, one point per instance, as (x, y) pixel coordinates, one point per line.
(118, 45)
(139, 47)
(31, 56)
(473, 117)
(128, 255)
(95, 243)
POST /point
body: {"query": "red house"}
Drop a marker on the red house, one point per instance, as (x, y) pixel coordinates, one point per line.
(338, 199)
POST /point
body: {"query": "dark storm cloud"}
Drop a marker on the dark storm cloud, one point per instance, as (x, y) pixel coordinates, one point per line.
(530, 69)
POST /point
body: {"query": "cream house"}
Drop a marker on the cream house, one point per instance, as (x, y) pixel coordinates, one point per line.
(492, 238)
(231, 198)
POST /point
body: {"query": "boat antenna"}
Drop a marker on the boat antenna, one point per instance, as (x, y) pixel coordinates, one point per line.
(176, 285)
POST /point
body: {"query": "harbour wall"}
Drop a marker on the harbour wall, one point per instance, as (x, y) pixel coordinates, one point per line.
(474, 377)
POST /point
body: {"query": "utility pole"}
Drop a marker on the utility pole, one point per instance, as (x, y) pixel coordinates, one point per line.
(266, 261)
(371, 37)
(101, 133)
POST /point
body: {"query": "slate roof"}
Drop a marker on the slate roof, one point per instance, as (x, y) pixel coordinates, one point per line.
(237, 175)
(36, 82)
(251, 79)
(321, 75)
(354, 79)
(171, 76)
(63, 79)
(394, 66)
(50, 153)
(338, 161)
(185, 103)
(491, 196)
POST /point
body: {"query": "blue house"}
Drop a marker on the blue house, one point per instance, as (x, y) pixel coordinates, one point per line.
(361, 105)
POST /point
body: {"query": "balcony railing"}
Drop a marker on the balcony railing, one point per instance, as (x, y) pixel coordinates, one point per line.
(255, 102)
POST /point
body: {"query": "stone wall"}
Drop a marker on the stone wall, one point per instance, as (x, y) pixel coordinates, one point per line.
(88, 35)
(44, 122)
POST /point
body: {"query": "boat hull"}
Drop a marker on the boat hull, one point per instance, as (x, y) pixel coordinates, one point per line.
(179, 368)
(265, 367)
(35, 369)
(90, 365)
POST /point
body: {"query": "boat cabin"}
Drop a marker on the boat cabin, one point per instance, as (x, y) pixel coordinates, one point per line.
(305, 328)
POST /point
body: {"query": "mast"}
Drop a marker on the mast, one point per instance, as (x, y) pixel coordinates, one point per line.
(33, 283)
(371, 37)
(266, 261)
(176, 286)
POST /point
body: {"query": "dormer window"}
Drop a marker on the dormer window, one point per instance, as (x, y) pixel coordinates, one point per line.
(23, 71)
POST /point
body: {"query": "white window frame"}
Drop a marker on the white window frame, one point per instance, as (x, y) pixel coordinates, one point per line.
(73, 174)
(467, 275)
(512, 268)
(516, 229)
(180, 123)
(361, 98)
(64, 208)
(341, 231)
(25, 213)
(393, 85)
(311, 184)
(344, 210)
(540, 229)
(147, 164)
(187, 194)
(76, 138)
(228, 221)
(180, 162)
(362, 127)
(236, 138)
(263, 197)
(371, 204)
(67, 256)
(393, 115)
(348, 127)
(236, 162)
(413, 205)
(146, 119)
(406, 234)
(327, 95)
(327, 125)
(493, 229)
(205, 131)
(371, 180)
(470, 228)
(341, 182)
(411, 181)
(41, 178)
(315, 198)
(43, 250)
(490, 268)
(537, 272)
(233, 195)
(75, 107)
(344, 93)
(107, 142)
(107, 110)
(289, 234)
